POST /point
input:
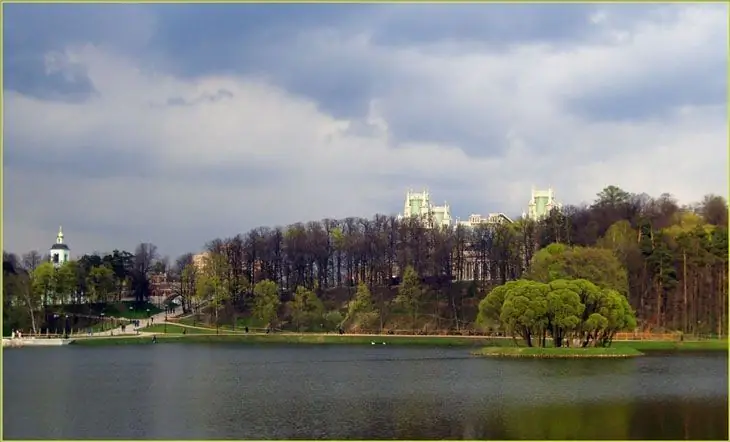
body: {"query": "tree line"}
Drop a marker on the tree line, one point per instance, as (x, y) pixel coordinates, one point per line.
(674, 260)
(32, 286)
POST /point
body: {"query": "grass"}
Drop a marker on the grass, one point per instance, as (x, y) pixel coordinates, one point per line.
(174, 329)
(560, 352)
(191, 320)
(208, 335)
(204, 336)
(112, 309)
(131, 310)
(705, 345)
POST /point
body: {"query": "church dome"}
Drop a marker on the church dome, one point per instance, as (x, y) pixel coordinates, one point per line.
(59, 247)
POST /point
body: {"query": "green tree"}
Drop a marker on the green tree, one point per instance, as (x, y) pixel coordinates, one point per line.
(101, 283)
(490, 308)
(307, 310)
(333, 319)
(266, 301)
(562, 309)
(212, 285)
(558, 261)
(410, 294)
(524, 311)
(27, 296)
(67, 282)
(188, 284)
(43, 280)
(612, 196)
(361, 312)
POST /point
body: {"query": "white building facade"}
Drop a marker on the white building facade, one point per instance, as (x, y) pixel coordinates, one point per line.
(60, 252)
(542, 202)
(418, 205)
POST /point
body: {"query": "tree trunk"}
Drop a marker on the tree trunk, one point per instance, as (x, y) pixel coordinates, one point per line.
(684, 281)
(32, 320)
(456, 314)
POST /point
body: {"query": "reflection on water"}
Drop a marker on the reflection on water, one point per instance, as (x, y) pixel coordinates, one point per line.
(182, 391)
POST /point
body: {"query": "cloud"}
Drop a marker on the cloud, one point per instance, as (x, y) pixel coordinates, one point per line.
(339, 116)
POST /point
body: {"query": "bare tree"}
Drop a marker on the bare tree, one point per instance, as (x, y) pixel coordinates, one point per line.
(32, 260)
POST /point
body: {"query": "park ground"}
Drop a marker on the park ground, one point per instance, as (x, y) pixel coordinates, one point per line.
(154, 322)
(168, 332)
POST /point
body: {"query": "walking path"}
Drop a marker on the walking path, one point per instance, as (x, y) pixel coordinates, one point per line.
(132, 329)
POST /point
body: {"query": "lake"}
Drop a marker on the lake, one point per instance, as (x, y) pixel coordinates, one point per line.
(191, 391)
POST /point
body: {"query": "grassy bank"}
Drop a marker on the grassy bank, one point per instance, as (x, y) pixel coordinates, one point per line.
(172, 329)
(552, 352)
(202, 336)
(705, 345)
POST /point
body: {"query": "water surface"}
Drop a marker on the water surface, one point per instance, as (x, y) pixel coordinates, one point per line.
(190, 391)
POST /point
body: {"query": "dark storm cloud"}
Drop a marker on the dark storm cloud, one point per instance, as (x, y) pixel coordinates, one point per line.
(36, 28)
(32, 31)
(695, 84)
(221, 94)
(500, 25)
(83, 162)
(245, 176)
(427, 90)
(266, 41)
(29, 77)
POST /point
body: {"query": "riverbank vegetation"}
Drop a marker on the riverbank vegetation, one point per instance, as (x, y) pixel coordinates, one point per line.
(174, 329)
(302, 338)
(703, 345)
(384, 274)
(198, 336)
(557, 352)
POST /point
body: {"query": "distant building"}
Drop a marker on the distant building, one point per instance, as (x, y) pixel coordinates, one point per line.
(492, 218)
(418, 205)
(542, 202)
(199, 260)
(162, 286)
(60, 253)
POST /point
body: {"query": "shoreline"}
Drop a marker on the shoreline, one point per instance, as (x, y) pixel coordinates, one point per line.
(402, 340)
(558, 353)
(294, 339)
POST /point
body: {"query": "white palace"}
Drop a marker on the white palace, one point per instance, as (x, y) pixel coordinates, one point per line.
(419, 205)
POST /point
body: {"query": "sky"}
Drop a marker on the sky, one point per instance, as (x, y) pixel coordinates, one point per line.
(178, 124)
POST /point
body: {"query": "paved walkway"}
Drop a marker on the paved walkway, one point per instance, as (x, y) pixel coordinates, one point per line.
(131, 329)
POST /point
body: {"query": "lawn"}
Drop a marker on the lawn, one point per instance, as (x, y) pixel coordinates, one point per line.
(175, 329)
(131, 310)
(209, 336)
(241, 323)
(705, 345)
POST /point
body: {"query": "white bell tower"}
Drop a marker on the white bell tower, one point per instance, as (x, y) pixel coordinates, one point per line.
(60, 253)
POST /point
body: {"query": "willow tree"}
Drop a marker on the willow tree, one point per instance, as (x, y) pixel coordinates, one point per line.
(562, 309)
